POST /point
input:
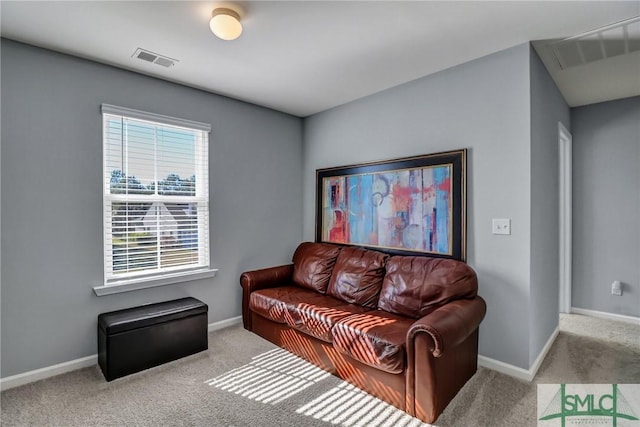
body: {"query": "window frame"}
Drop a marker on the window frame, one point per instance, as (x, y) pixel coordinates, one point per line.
(140, 280)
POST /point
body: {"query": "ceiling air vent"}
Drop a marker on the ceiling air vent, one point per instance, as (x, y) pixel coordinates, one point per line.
(602, 43)
(149, 56)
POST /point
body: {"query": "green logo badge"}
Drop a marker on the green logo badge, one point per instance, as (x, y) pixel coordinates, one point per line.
(588, 404)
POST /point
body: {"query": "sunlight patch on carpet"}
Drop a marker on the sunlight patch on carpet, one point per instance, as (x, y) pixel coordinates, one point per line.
(349, 406)
(270, 377)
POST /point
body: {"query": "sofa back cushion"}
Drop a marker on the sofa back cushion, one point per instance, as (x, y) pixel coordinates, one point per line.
(313, 264)
(415, 286)
(357, 276)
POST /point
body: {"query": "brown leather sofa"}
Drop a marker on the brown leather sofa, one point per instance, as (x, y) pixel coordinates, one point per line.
(402, 328)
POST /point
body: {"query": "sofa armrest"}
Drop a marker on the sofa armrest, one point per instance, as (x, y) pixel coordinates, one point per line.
(261, 279)
(450, 324)
(266, 278)
(442, 354)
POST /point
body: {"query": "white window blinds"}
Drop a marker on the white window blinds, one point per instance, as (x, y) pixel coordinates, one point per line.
(156, 195)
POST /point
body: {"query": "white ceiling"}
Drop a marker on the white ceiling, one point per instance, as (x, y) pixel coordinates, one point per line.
(302, 57)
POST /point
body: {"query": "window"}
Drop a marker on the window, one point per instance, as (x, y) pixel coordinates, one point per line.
(156, 196)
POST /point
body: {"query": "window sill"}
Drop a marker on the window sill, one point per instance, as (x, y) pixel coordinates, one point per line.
(136, 284)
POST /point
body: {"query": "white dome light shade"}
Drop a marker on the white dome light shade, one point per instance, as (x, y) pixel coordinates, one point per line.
(225, 24)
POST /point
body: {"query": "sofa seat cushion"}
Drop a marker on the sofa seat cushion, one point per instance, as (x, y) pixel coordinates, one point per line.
(302, 309)
(357, 276)
(415, 286)
(375, 338)
(313, 264)
(271, 303)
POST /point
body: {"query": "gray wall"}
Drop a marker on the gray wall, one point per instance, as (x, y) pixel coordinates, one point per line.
(606, 205)
(548, 107)
(483, 105)
(52, 198)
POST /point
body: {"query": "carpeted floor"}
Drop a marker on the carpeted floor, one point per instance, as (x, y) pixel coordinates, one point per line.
(243, 380)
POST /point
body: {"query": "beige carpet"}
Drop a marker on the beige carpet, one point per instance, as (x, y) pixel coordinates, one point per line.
(243, 380)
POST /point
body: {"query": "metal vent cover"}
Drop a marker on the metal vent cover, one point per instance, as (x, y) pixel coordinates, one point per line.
(617, 39)
(155, 58)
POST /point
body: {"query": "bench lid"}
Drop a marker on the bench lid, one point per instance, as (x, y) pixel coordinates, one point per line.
(150, 314)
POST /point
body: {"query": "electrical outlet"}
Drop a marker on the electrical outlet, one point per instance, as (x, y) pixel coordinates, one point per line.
(616, 288)
(501, 226)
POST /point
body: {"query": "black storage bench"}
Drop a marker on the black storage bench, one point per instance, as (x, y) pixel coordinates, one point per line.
(139, 338)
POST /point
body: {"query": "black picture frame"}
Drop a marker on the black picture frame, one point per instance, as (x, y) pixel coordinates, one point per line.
(407, 206)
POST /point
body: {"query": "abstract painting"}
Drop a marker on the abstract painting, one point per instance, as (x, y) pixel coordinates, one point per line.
(411, 205)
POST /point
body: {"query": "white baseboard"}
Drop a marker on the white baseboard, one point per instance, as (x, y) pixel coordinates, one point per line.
(543, 353)
(504, 368)
(47, 372)
(605, 315)
(83, 362)
(515, 371)
(224, 323)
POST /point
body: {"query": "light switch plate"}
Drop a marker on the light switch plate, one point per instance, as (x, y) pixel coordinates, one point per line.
(501, 226)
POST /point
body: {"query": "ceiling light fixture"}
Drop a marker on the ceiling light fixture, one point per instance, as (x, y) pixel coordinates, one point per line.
(225, 23)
